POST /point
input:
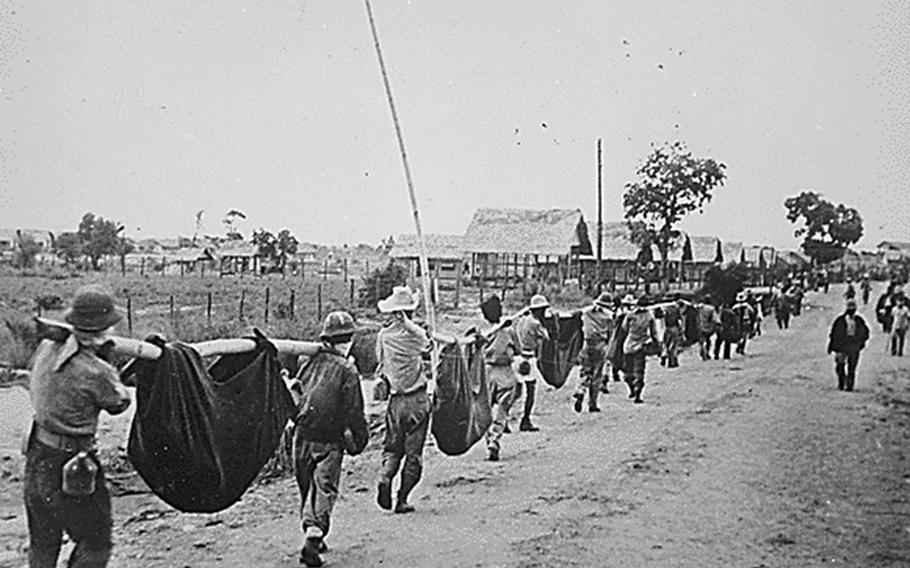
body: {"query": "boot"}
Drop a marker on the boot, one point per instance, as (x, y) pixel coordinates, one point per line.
(384, 495)
(579, 400)
(401, 506)
(526, 426)
(493, 455)
(309, 554)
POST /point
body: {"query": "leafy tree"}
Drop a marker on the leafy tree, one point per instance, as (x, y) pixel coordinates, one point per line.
(286, 246)
(68, 246)
(671, 184)
(99, 238)
(27, 252)
(230, 224)
(265, 242)
(827, 230)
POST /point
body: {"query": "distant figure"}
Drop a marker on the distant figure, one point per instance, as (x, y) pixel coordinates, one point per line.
(884, 307)
(597, 327)
(901, 315)
(848, 337)
(641, 335)
(708, 325)
(796, 300)
(329, 422)
(850, 292)
(530, 332)
(823, 280)
(614, 347)
(500, 356)
(744, 322)
(727, 332)
(865, 287)
(782, 310)
(401, 348)
(673, 333)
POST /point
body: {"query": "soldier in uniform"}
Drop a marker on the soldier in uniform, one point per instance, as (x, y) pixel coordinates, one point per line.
(597, 327)
(70, 384)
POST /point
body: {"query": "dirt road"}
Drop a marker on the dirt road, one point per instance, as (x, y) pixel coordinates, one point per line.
(758, 461)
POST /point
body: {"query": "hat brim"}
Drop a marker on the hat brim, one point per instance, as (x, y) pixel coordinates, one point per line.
(352, 331)
(388, 307)
(108, 320)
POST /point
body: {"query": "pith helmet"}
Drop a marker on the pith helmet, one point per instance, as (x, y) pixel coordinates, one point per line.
(92, 309)
(337, 324)
(401, 300)
(605, 300)
(630, 300)
(539, 301)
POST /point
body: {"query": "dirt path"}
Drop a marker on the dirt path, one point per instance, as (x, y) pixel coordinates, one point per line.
(759, 461)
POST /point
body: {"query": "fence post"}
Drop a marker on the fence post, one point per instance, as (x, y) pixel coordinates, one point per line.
(142, 266)
(325, 269)
(208, 310)
(242, 298)
(345, 270)
(352, 293)
(171, 306)
(129, 315)
(266, 304)
(319, 302)
(293, 295)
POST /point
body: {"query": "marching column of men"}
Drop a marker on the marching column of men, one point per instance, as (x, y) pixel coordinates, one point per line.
(71, 383)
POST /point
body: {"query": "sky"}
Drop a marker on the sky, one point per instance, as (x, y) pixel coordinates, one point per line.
(148, 112)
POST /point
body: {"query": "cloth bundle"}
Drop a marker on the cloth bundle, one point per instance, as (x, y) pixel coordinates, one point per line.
(560, 353)
(200, 436)
(461, 406)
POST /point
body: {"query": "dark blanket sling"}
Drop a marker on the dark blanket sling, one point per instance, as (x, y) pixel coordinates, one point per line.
(560, 353)
(200, 436)
(461, 405)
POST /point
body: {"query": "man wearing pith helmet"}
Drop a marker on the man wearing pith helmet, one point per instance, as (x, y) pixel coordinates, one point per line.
(530, 332)
(330, 421)
(597, 327)
(70, 384)
(402, 347)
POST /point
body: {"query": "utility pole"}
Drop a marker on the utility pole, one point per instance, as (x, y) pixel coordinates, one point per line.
(600, 216)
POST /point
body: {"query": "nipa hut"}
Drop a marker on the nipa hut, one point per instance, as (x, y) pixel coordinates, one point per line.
(508, 245)
(445, 255)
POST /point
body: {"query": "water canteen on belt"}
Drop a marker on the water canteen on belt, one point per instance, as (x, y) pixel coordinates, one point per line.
(200, 436)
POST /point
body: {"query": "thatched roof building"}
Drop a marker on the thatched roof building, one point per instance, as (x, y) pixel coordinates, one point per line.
(550, 232)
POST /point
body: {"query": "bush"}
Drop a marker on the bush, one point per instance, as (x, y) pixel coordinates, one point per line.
(23, 340)
(379, 284)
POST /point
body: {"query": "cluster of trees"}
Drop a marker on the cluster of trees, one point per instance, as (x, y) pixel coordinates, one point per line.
(672, 183)
(95, 239)
(276, 248)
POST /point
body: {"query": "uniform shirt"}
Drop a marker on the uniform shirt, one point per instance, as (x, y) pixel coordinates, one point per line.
(399, 351)
(707, 318)
(640, 328)
(596, 324)
(671, 316)
(70, 385)
(501, 348)
(902, 317)
(530, 333)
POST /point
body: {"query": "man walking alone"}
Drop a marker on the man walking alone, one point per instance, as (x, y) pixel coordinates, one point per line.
(848, 337)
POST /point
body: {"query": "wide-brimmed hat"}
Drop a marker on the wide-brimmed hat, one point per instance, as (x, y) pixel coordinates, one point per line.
(630, 300)
(539, 301)
(401, 300)
(605, 300)
(741, 297)
(92, 309)
(338, 324)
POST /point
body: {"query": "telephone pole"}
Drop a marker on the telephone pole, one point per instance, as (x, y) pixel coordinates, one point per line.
(600, 217)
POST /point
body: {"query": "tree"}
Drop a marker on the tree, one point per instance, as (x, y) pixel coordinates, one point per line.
(68, 246)
(266, 243)
(671, 184)
(99, 238)
(198, 227)
(286, 246)
(27, 251)
(827, 229)
(230, 224)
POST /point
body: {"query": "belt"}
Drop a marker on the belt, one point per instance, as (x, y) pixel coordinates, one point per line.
(408, 393)
(62, 441)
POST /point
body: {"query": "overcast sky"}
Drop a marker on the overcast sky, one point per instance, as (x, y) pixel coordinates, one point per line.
(147, 112)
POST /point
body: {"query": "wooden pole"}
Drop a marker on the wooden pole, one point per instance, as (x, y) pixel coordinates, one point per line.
(345, 265)
(142, 266)
(600, 217)
(293, 294)
(459, 269)
(319, 302)
(325, 269)
(266, 304)
(208, 310)
(351, 302)
(171, 306)
(129, 315)
(242, 299)
(412, 194)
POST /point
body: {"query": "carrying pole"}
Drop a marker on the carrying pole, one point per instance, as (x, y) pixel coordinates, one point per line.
(412, 194)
